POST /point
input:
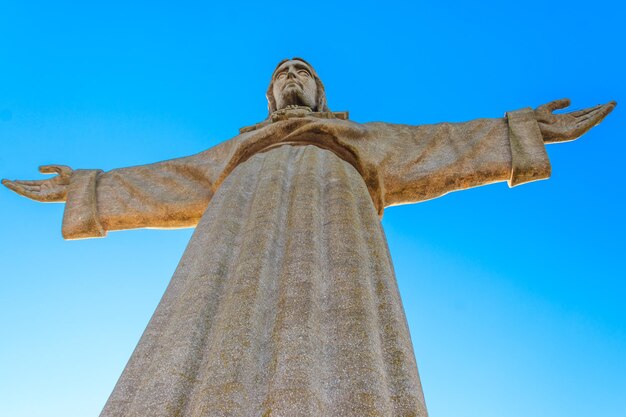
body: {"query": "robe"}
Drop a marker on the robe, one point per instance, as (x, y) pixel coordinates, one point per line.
(285, 302)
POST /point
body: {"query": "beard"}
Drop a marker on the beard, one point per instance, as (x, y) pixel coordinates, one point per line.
(293, 95)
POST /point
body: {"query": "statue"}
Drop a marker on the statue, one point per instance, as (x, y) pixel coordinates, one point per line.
(285, 301)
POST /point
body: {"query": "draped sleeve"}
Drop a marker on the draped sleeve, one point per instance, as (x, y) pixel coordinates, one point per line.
(167, 194)
(417, 163)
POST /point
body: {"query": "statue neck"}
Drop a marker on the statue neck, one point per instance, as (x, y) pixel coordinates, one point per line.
(291, 112)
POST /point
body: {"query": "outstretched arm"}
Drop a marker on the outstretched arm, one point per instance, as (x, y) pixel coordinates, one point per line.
(418, 163)
(167, 194)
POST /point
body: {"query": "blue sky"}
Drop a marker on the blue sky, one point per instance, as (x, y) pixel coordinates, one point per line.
(514, 297)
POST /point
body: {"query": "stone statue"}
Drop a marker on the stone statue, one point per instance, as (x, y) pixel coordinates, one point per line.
(285, 301)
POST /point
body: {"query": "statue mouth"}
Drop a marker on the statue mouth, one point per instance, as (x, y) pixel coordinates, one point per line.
(292, 83)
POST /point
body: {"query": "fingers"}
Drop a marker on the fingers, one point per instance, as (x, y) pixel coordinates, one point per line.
(50, 190)
(25, 182)
(29, 185)
(11, 185)
(569, 126)
(598, 113)
(556, 105)
(583, 112)
(19, 186)
(62, 170)
(595, 116)
(50, 169)
(30, 191)
(610, 105)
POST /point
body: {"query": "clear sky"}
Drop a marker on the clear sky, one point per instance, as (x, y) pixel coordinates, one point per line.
(515, 297)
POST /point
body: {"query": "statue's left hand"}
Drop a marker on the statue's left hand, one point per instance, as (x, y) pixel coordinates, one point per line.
(569, 126)
(51, 190)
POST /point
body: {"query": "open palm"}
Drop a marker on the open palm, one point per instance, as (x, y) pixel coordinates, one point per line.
(50, 190)
(569, 126)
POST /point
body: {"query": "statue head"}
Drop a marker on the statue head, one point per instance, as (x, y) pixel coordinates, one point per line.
(295, 82)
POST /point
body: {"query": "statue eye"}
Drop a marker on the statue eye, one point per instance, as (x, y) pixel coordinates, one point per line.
(304, 73)
(281, 75)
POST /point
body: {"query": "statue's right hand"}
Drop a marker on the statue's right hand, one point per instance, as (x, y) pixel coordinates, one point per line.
(51, 190)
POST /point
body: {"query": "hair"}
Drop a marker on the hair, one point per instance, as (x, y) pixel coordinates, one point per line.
(321, 93)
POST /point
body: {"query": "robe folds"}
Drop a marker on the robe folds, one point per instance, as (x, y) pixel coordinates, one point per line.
(285, 301)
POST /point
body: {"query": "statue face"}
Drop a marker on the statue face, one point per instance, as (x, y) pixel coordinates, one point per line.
(294, 85)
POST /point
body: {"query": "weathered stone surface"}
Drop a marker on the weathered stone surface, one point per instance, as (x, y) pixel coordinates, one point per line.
(285, 302)
(400, 164)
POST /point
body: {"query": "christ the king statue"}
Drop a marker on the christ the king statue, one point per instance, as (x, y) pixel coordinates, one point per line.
(285, 302)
